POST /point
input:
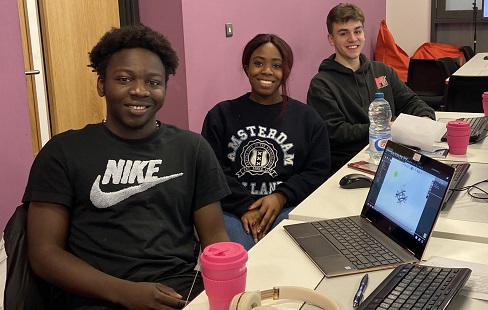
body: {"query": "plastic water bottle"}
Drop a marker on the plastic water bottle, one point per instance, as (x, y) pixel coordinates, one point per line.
(379, 126)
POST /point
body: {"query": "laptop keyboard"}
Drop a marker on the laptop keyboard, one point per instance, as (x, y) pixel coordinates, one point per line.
(362, 250)
(417, 287)
(479, 128)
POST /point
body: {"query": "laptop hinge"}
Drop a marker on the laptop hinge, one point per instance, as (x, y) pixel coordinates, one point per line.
(411, 252)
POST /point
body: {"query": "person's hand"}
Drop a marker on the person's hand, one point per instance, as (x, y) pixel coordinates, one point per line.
(249, 220)
(262, 214)
(145, 295)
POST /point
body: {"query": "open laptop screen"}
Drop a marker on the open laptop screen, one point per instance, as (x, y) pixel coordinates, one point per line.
(406, 195)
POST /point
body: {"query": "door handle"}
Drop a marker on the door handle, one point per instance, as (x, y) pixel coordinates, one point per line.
(32, 72)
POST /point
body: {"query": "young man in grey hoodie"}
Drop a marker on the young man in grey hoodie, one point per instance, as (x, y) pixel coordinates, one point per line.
(346, 83)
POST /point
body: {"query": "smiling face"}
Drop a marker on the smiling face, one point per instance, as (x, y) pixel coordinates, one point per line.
(348, 41)
(134, 88)
(265, 72)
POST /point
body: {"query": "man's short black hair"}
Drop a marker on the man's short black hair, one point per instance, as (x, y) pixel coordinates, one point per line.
(132, 36)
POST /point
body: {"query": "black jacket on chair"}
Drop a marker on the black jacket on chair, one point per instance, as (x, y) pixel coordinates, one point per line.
(23, 289)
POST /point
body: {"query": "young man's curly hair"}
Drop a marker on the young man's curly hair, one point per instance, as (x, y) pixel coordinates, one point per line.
(133, 36)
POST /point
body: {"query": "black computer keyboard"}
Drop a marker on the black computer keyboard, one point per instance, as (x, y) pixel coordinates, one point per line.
(417, 287)
(479, 128)
(459, 173)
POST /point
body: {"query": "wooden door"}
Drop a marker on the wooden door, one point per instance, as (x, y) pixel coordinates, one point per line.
(70, 28)
(29, 67)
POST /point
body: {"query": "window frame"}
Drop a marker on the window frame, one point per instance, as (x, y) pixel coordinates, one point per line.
(441, 12)
(129, 12)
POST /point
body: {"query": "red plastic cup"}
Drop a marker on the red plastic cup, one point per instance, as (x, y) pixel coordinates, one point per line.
(458, 136)
(485, 102)
(224, 273)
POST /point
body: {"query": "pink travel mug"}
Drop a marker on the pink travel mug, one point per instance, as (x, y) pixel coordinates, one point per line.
(224, 273)
(485, 102)
(458, 136)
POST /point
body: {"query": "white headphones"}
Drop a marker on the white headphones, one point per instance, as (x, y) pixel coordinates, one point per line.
(252, 300)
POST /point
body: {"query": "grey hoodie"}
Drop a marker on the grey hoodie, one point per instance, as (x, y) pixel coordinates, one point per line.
(342, 97)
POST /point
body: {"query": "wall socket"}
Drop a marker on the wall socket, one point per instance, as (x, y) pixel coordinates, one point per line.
(229, 31)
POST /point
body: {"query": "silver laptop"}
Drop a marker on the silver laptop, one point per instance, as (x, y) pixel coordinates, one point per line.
(395, 223)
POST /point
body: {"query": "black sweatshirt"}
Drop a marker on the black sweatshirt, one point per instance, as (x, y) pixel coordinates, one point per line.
(263, 150)
(342, 97)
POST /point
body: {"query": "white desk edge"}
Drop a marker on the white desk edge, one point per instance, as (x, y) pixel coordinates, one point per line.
(277, 260)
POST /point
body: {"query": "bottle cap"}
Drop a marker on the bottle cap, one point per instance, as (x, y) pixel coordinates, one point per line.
(379, 95)
(458, 124)
(223, 255)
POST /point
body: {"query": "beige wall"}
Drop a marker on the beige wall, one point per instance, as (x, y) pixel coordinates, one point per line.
(409, 23)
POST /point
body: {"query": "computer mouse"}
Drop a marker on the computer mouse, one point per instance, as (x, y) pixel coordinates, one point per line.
(486, 57)
(355, 180)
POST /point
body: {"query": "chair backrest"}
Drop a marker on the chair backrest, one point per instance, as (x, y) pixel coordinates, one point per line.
(450, 64)
(464, 93)
(427, 77)
(23, 289)
(467, 51)
(3, 270)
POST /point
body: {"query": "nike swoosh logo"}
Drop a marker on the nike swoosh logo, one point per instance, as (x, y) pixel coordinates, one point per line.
(102, 200)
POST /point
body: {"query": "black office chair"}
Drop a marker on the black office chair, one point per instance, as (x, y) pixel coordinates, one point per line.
(468, 52)
(450, 63)
(464, 93)
(23, 289)
(427, 78)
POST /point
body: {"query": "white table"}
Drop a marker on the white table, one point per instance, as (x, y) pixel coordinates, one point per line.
(331, 201)
(277, 261)
(477, 152)
(475, 66)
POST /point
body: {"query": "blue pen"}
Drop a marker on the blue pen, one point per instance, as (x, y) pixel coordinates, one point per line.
(360, 293)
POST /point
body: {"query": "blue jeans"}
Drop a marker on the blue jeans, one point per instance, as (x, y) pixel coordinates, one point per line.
(238, 234)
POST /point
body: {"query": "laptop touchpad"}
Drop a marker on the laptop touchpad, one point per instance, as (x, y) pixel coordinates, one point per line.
(317, 246)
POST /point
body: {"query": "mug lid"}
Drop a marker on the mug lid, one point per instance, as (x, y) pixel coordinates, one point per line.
(458, 124)
(223, 255)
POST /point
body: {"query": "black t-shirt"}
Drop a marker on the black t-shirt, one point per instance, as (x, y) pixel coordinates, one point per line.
(131, 202)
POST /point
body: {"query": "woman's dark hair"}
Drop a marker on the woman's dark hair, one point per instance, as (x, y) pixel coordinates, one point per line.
(286, 55)
(132, 36)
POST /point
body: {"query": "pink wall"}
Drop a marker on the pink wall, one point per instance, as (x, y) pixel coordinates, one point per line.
(167, 18)
(212, 61)
(16, 153)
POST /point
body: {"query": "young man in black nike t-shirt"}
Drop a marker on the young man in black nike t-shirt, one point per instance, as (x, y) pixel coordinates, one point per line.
(113, 206)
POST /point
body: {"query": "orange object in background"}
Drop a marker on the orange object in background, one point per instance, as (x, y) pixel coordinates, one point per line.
(388, 52)
(433, 50)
